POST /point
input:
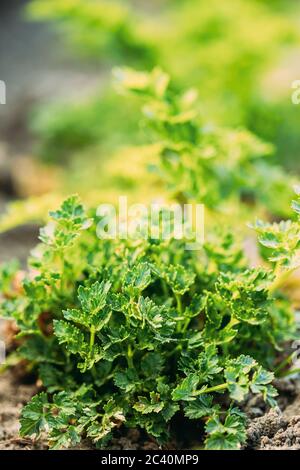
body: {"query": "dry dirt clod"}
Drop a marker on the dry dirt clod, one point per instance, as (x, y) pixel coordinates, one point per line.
(274, 431)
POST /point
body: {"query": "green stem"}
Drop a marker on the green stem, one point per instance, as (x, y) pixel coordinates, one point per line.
(165, 288)
(179, 303)
(94, 372)
(180, 311)
(92, 337)
(130, 357)
(290, 372)
(284, 363)
(217, 388)
(233, 322)
(186, 324)
(106, 379)
(63, 269)
(174, 351)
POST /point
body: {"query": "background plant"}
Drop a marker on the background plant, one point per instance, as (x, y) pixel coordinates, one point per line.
(231, 53)
(202, 163)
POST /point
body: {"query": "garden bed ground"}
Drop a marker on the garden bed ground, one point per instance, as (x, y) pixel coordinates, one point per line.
(276, 429)
(14, 394)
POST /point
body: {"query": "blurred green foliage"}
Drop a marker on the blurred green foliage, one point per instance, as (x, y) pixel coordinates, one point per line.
(97, 27)
(225, 49)
(239, 58)
(212, 165)
(105, 119)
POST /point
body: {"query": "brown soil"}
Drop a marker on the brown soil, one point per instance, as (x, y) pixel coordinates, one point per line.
(13, 396)
(279, 428)
(275, 431)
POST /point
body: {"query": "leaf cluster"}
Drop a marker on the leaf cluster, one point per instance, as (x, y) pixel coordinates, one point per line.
(136, 332)
(208, 164)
